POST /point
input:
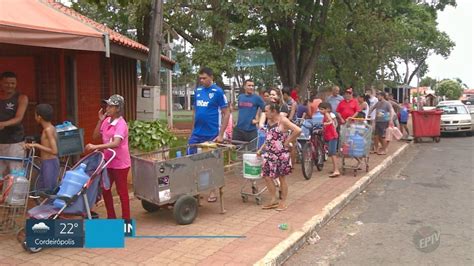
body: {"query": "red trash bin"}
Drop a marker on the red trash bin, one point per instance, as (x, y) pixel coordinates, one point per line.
(426, 124)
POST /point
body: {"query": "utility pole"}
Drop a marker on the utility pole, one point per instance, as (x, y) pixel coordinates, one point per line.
(154, 56)
(169, 83)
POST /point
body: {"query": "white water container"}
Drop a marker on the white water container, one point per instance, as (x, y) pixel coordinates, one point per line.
(252, 166)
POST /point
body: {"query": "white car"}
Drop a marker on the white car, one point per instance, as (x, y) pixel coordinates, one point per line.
(456, 117)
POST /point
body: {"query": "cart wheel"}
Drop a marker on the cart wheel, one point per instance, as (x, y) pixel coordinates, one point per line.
(245, 198)
(258, 200)
(367, 168)
(355, 172)
(307, 161)
(185, 210)
(149, 207)
(279, 194)
(437, 139)
(416, 140)
(21, 237)
(343, 171)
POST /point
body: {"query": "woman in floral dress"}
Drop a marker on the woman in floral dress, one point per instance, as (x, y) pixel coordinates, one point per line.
(276, 159)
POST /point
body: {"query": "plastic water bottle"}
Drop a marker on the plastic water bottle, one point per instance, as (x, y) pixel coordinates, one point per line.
(283, 226)
(20, 188)
(261, 138)
(318, 118)
(72, 183)
(178, 154)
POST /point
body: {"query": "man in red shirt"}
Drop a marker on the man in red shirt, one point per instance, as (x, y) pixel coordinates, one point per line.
(348, 108)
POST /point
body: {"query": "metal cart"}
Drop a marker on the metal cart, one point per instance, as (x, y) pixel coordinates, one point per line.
(250, 186)
(355, 141)
(12, 214)
(165, 177)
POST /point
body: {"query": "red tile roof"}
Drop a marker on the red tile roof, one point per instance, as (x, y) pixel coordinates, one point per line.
(114, 36)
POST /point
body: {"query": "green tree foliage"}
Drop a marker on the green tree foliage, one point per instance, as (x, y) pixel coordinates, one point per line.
(452, 89)
(428, 82)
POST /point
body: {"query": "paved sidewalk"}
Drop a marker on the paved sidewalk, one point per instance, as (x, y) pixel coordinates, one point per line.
(307, 198)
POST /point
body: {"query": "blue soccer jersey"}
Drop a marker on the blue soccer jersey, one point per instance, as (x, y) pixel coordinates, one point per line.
(208, 103)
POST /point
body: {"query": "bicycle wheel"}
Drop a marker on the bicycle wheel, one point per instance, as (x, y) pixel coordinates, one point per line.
(319, 156)
(307, 161)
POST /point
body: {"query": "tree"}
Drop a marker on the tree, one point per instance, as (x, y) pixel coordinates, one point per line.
(428, 82)
(361, 39)
(420, 38)
(295, 32)
(452, 89)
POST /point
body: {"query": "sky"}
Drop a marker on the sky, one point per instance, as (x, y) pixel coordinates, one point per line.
(458, 23)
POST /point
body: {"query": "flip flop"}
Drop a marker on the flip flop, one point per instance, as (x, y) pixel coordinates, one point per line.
(212, 199)
(334, 175)
(270, 206)
(381, 153)
(281, 208)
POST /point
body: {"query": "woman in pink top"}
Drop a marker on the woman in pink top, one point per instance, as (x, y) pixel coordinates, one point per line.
(112, 129)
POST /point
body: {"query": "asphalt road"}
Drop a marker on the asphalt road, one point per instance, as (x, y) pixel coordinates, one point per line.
(418, 212)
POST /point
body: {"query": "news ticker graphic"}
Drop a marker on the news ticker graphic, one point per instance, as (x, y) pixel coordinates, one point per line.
(95, 233)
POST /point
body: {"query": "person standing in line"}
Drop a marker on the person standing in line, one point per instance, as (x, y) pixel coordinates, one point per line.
(334, 99)
(404, 115)
(290, 102)
(112, 129)
(276, 159)
(348, 108)
(210, 115)
(250, 107)
(330, 136)
(47, 180)
(383, 120)
(13, 107)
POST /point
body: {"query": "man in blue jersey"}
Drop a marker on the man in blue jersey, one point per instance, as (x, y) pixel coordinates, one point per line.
(250, 107)
(210, 114)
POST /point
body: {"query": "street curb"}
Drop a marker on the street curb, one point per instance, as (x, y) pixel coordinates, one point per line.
(280, 253)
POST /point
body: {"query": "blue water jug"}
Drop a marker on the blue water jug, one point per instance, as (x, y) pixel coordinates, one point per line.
(72, 183)
(317, 118)
(358, 146)
(261, 138)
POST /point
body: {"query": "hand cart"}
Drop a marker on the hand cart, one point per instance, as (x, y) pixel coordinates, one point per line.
(170, 177)
(355, 141)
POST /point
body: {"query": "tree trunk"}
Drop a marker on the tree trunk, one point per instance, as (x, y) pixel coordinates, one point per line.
(297, 53)
(154, 57)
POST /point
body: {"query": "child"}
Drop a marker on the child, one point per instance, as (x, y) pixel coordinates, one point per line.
(48, 148)
(330, 136)
(404, 114)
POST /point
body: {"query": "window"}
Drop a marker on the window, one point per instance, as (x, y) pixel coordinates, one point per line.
(453, 109)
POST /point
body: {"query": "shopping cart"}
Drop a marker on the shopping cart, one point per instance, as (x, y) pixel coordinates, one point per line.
(248, 165)
(13, 199)
(355, 141)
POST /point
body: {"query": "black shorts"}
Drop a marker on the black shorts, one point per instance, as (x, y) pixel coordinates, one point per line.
(403, 122)
(380, 128)
(242, 135)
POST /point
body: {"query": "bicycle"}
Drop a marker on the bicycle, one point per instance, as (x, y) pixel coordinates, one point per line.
(311, 149)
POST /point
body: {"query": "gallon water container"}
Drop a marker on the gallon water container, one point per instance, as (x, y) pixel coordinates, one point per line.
(358, 146)
(72, 183)
(252, 166)
(20, 188)
(317, 118)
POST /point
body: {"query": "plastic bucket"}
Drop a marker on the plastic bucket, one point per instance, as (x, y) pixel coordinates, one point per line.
(252, 166)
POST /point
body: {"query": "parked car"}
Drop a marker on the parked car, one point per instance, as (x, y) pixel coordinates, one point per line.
(456, 117)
